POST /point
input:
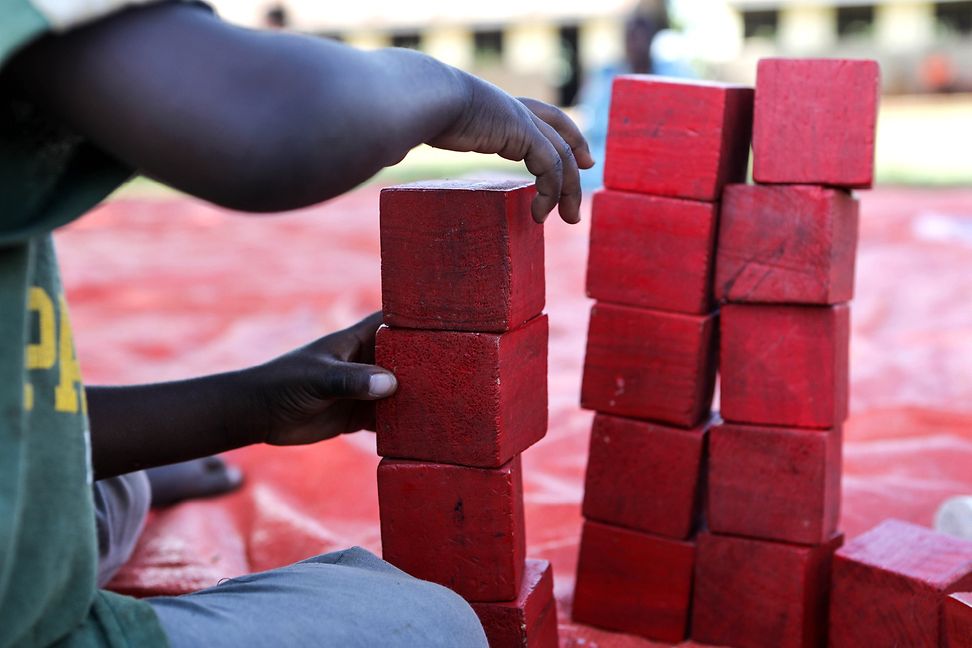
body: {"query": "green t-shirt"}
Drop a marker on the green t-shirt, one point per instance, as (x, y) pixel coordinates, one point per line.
(48, 559)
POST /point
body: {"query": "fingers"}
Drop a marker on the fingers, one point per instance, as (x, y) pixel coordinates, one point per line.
(342, 364)
(565, 127)
(546, 164)
(569, 199)
(364, 331)
(356, 381)
(558, 179)
(357, 342)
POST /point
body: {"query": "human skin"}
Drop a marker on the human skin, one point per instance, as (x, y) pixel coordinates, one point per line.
(262, 122)
(314, 393)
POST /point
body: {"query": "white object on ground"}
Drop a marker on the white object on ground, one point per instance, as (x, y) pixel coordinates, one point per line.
(954, 517)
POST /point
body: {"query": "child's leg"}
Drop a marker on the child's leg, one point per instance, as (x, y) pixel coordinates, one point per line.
(121, 504)
(191, 479)
(345, 598)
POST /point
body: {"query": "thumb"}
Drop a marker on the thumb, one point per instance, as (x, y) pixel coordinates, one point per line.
(357, 381)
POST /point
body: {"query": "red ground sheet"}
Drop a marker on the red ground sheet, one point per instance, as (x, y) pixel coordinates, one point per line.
(170, 288)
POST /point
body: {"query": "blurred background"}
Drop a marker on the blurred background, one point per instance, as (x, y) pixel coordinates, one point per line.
(560, 51)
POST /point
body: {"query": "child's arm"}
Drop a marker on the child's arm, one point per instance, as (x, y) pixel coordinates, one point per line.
(319, 391)
(264, 121)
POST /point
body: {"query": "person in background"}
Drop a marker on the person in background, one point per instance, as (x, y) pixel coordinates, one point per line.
(644, 31)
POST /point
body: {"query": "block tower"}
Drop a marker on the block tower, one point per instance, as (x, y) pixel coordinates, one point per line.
(784, 272)
(462, 272)
(651, 350)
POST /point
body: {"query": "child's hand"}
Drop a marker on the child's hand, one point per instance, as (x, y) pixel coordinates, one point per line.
(310, 394)
(323, 389)
(540, 134)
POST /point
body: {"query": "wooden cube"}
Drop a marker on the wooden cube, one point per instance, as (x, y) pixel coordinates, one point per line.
(759, 594)
(671, 137)
(652, 252)
(645, 476)
(785, 365)
(790, 245)
(529, 621)
(774, 483)
(650, 364)
(460, 255)
(474, 399)
(815, 121)
(890, 585)
(958, 620)
(456, 526)
(633, 582)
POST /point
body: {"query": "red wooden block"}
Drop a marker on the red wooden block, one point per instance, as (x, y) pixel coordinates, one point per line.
(456, 526)
(649, 364)
(644, 476)
(652, 252)
(793, 244)
(531, 620)
(677, 138)
(633, 582)
(474, 399)
(815, 121)
(758, 594)
(890, 585)
(958, 620)
(774, 483)
(785, 365)
(460, 255)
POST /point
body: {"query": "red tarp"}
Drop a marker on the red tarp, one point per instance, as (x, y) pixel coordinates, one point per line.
(170, 288)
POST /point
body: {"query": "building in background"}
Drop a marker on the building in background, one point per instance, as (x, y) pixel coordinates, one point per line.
(545, 49)
(922, 46)
(525, 46)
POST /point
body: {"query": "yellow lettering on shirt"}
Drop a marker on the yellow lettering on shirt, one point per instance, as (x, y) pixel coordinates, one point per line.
(43, 354)
(54, 350)
(66, 395)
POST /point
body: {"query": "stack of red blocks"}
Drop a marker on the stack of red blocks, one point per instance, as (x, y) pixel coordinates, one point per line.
(463, 294)
(785, 270)
(651, 352)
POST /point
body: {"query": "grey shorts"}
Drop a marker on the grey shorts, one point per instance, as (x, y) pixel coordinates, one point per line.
(121, 504)
(343, 599)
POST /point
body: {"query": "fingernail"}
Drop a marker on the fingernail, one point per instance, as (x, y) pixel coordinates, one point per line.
(234, 476)
(381, 385)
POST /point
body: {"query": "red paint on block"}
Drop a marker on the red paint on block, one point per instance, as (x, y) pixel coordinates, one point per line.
(815, 121)
(633, 582)
(792, 245)
(652, 252)
(644, 476)
(684, 139)
(890, 585)
(474, 399)
(528, 622)
(649, 364)
(958, 620)
(784, 365)
(460, 255)
(774, 483)
(758, 594)
(456, 526)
